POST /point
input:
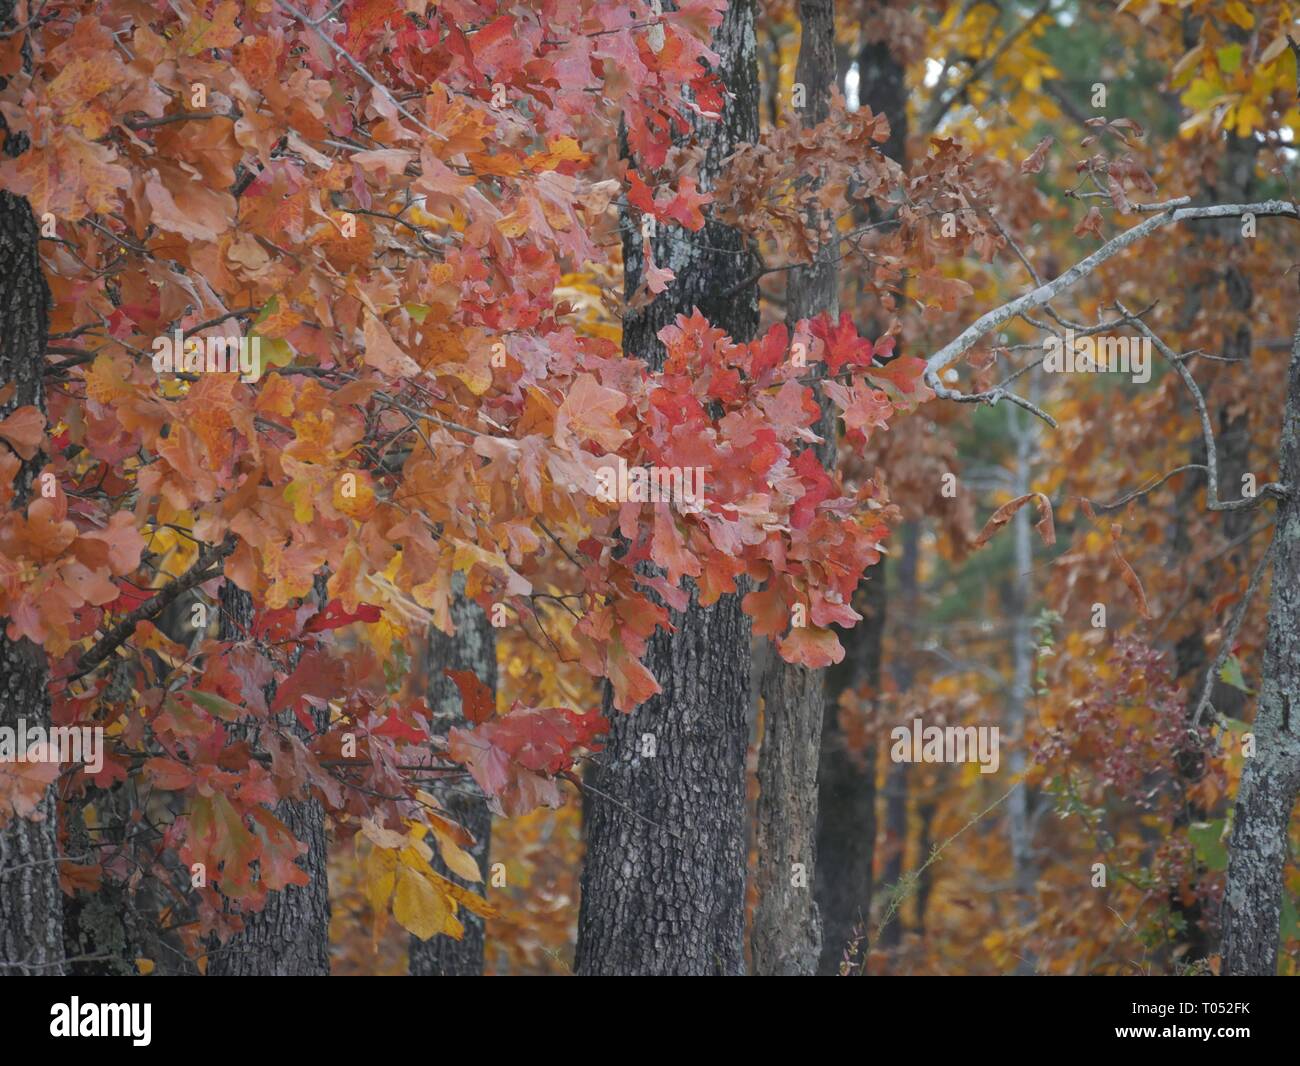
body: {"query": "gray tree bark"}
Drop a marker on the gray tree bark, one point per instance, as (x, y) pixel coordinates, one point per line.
(904, 671)
(846, 814)
(1023, 431)
(786, 938)
(1270, 781)
(846, 791)
(472, 648)
(289, 937)
(1234, 183)
(663, 885)
(31, 906)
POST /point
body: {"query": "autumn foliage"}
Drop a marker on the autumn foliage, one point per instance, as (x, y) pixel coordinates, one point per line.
(413, 213)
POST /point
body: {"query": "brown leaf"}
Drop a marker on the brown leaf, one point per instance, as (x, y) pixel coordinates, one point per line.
(1033, 163)
(1045, 525)
(1127, 575)
(1090, 223)
(1117, 194)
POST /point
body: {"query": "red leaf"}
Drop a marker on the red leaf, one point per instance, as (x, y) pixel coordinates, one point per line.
(335, 616)
(817, 487)
(476, 700)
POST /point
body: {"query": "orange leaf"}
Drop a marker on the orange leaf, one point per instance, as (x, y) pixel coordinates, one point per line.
(24, 429)
(475, 697)
(590, 412)
(1127, 575)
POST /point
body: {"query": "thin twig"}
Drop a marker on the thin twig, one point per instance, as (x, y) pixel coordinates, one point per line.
(1230, 638)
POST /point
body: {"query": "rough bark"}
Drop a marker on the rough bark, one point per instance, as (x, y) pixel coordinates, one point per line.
(1234, 182)
(31, 907)
(290, 935)
(1270, 781)
(472, 648)
(846, 789)
(896, 782)
(1019, 828)
(664, 878)
(786, 938)
(107, 929)
(846, 814)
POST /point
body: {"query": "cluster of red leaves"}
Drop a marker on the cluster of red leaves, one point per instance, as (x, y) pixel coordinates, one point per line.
(394, 241)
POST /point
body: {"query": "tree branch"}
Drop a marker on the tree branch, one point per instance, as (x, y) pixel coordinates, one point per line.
(1207, 430)
(1230, 638)
(199, 572)
(1173, 211)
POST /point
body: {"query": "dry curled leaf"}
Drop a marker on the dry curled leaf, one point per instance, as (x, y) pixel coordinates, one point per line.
(1045, 525)
(1127, 574)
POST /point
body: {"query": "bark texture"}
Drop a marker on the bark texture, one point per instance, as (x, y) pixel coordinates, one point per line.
(1252, 902)
(31, 906)
(472, 648)
(289, 937)
(846, 790)
(903, 668)
(846, 815)
(1023, 431)
(663, 886)
(786, 938)
(1233, 183)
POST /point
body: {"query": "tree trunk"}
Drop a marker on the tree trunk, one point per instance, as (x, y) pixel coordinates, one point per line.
(663, 885)
(786, 938)
(472, 648)
(1233, 184)
(31, 906)
(846, 790)
(903, 669)
(1252, 903)
(289, 937)
(1019, 829)
(846, 795)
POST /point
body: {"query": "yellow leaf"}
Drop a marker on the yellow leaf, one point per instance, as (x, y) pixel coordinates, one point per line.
(418, 907)
(458, 860)
(469, 900)
(561, 150)
(1272, 51)
(1248, 117)
(385, 838)
(1238, 13)
(380, 868)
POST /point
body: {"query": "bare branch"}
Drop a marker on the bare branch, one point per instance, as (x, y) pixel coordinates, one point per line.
(1230, 638)
(1174, 211)
(200, 571)
(934, 114)
(1207, 431)
(343, 53)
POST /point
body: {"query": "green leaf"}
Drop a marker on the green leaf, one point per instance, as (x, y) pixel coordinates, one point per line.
(214, 704)
(1290, 919)
(1229, 58)
(1231, 674)
(275, 351)
(268, 309)
(419, 312)
(1206, 838)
